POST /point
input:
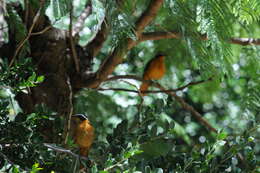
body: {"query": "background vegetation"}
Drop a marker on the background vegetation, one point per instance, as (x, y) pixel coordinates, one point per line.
(56, 56)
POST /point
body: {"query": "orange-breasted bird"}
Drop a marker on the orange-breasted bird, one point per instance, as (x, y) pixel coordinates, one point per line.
(155, 69)
(83, 133)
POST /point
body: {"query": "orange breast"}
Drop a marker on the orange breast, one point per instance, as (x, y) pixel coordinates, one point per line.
(84, 134)
(155, 70)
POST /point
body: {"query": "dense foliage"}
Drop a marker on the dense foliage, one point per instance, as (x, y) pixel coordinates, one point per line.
(147, 134)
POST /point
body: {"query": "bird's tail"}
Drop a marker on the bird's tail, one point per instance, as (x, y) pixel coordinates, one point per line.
(143, 88)
(83, 152)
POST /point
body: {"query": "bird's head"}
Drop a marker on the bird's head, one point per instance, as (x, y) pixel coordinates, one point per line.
(161, 56)
(80, 117)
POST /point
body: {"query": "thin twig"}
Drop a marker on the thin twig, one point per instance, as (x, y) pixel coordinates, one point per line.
(115, 165)
(148, 91)
(69, 113)
(129, 83)
(42, 31)
(72, 44)
(139, 93)
(20, 45)
(119, 89)
(125, 77)
(185, 105)
(26, 3)
(140, 106)
(63, 150)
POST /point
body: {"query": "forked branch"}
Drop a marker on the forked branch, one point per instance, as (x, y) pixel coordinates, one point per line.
(182, 102)
(118, 54)
(151, 91)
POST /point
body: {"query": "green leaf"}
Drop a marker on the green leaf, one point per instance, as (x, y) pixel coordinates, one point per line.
(40, 79)
(57, 9)
(131, 153)
(148, 169)
(35, 168)
(17, 27)
(180, 132)
(222, 136)
(15, 169)
(156, 148)
(32, 77)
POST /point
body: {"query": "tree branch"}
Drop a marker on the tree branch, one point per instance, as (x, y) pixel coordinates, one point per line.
(118, 54)
(148, 16)
(63, 150)
(175, 34)
(42, 31)
(21, 44)
(151, 91)
(115, 165)
(119, 89)
(68, 113)
(182, 102)
(81, 19)
(159, 35)
(72, 44)
(188, 107)
(245, 41)
(96, 44)
(126, 77)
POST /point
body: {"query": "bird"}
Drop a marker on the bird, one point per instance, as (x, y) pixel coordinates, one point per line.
(155, 69)
(83, 133)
